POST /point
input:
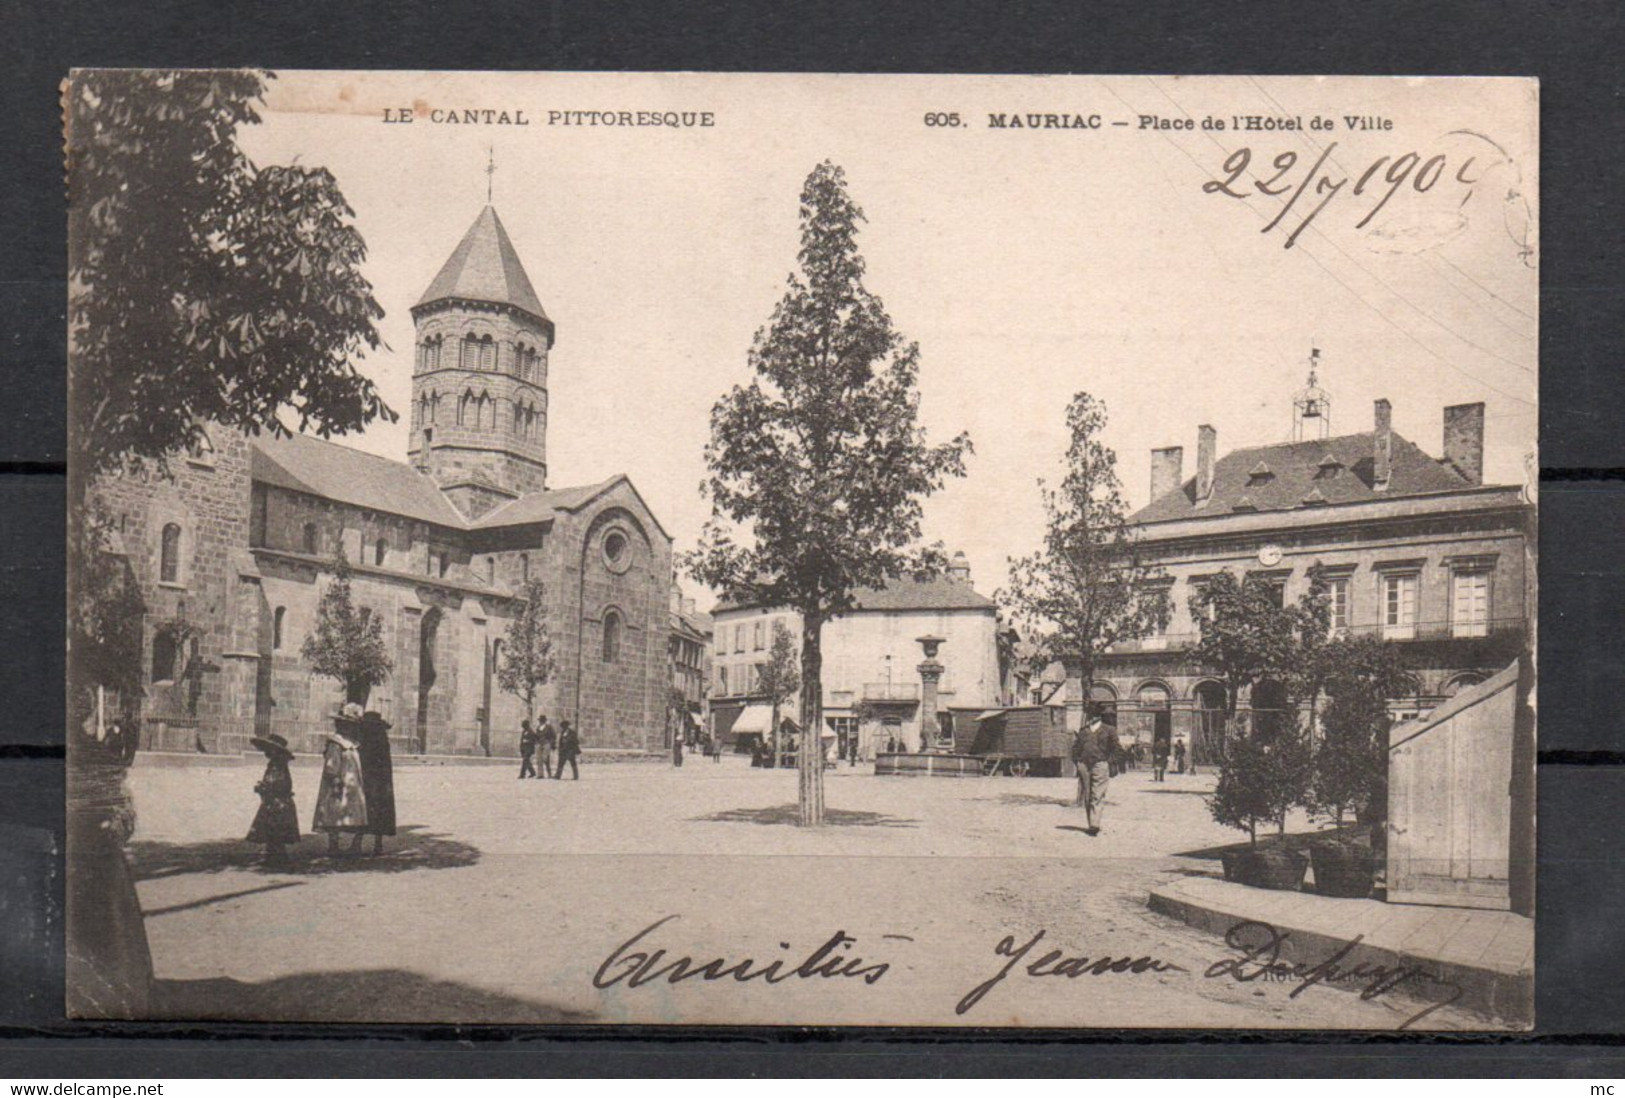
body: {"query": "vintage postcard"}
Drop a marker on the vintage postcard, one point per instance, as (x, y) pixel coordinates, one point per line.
(802, 549)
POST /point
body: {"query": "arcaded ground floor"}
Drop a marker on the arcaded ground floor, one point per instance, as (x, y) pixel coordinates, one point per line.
(508, 901)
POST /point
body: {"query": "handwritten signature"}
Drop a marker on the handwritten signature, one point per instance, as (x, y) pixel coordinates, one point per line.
(1258, 948)
(832, 960)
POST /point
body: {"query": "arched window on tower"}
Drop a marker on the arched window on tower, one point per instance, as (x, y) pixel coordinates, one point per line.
(313, 539)
(463, 404)
(169, 555)
(380, 552)
(488, 353)
(490, 570)
(470, 358)
(277, 620)
(612, 636)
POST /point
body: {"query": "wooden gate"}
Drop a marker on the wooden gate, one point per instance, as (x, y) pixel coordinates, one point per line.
(1449, 799)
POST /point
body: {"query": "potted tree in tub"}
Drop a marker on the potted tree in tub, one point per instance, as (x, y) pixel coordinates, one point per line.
(1261, 779)
(1350, 770)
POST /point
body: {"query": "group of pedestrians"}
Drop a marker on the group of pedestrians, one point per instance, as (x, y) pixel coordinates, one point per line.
(543, 739)
(356, 795)
(1160, 751)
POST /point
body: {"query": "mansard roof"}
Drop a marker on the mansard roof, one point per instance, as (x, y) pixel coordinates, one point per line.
(330, 470)
(485, 267)
(1294, 472)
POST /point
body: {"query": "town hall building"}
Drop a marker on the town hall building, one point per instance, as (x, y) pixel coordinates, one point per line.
(1415, 550)
(233, 553)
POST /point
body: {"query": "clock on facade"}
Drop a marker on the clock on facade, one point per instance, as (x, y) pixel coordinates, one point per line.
(1269, 556)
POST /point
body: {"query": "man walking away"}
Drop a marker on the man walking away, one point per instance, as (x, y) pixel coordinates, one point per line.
(1092, 751)
(569, 749)
(547, 738)
(527, 750)
(1179, 755)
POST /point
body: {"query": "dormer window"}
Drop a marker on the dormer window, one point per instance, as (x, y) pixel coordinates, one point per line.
(1245, 503)
(1328, 468)
(1260, 474)
(1314, 498)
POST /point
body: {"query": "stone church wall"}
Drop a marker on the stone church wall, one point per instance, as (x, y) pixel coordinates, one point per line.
(186, 706)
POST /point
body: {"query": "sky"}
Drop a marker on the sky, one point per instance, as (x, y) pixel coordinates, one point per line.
(1028, 264)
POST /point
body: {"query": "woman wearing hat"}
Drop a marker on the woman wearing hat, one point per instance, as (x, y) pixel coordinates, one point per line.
(341, 800)
(276, 824)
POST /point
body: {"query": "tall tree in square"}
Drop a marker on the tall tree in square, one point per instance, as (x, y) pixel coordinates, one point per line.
(527, 662)
(1088, 586)
(818, 467)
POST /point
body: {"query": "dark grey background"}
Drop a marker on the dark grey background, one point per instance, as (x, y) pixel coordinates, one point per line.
(1573, 47)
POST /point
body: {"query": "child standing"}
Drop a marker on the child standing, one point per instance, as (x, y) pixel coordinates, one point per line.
(276, 824)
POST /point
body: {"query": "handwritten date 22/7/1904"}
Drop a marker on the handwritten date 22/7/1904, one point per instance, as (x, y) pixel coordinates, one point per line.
(1311, 192)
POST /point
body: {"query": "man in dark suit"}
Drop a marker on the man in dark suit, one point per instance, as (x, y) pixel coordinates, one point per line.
(527, 750)
(1092, 751)
(569, 751)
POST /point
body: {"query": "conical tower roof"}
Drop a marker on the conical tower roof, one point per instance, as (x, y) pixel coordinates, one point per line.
(485, 267)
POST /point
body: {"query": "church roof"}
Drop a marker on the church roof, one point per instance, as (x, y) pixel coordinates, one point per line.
(331, 470)
(485, 267)
(540, 506)
(1291, 474)
(317, 467)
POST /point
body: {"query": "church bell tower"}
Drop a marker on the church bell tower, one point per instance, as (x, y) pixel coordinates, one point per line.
(479, 385)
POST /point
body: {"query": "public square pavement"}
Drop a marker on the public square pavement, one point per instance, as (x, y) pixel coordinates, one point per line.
(502, 901)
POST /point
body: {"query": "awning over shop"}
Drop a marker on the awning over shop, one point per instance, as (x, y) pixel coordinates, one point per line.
(757, 719)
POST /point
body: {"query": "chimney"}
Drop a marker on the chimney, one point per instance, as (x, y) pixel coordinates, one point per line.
(1464, 440)
(1382, 463)
(1167, 470)
(959, 568)
(1207, 442)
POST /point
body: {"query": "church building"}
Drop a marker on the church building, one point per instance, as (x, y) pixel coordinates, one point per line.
(234, 551)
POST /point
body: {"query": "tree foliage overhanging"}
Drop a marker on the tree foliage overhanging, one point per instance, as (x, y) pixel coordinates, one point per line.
(202, 287)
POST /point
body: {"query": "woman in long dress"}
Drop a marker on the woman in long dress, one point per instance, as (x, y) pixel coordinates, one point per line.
(377, 780)
(341, 801)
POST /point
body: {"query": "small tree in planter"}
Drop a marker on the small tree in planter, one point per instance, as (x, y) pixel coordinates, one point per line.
(1263, 777)
(348, 641)
(1351, 761)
